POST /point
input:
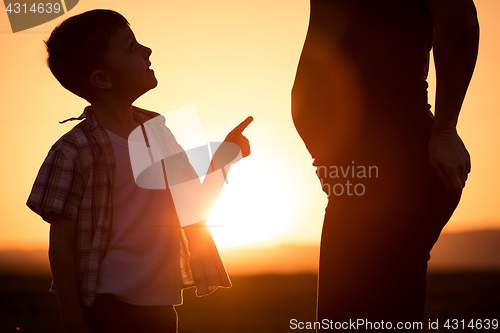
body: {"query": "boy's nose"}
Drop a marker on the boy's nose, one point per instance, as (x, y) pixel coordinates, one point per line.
(147, 51)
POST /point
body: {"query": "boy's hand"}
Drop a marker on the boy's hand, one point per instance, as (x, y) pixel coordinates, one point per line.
(236, 136)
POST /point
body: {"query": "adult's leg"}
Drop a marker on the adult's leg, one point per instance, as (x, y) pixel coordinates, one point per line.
(374, 248)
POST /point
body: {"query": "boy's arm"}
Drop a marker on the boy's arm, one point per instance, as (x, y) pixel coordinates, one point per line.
(62, 264)
(234, 147)
(455, 44)
(188, 193)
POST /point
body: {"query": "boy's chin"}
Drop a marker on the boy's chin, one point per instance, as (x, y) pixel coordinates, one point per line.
(155, 83)
(144, 91)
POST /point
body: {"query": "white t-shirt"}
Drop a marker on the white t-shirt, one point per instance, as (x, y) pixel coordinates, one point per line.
(142, 262)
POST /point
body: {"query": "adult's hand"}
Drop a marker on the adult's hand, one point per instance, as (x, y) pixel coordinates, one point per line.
(455, 44)
(450, 159)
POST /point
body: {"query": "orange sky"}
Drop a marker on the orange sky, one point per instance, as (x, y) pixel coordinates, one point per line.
(232, 59)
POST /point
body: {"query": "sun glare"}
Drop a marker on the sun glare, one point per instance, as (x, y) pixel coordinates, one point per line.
(249, 209)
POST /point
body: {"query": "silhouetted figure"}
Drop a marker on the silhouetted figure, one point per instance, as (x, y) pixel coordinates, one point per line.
(360, 101)
(121, 253)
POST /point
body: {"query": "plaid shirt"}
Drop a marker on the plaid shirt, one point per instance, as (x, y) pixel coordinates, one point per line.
(76, 181)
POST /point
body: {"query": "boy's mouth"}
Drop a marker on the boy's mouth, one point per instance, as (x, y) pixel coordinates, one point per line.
(148, 69)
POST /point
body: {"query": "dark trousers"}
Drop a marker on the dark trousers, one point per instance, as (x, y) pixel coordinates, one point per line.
(111, 315)
(375, 247)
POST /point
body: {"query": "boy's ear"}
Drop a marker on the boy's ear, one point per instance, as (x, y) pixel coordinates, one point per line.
(100, 79)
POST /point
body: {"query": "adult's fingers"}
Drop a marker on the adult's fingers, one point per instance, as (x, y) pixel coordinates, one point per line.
(441, 175)
(456, 178)
(469, 163)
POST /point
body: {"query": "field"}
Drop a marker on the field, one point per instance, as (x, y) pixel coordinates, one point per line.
(255, 304)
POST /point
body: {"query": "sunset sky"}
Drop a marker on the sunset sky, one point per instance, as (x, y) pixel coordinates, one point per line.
(231, 59)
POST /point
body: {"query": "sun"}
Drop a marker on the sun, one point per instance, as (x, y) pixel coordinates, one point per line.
(250, 208)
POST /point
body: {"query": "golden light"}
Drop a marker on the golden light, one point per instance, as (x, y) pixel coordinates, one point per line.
(250, 209)
(232, 59)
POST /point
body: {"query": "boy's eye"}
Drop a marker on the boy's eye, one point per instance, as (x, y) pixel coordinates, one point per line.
(132, 46)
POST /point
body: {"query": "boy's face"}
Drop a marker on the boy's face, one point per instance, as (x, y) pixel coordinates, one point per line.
(128, 64)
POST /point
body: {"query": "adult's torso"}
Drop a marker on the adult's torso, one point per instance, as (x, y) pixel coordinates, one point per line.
(363, 70)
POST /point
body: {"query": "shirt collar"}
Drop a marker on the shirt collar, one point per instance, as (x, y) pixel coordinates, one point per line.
(84, 115)
(140, 114)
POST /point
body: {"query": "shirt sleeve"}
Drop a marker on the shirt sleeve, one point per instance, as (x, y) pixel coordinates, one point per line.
(205, 264)
(58, 187)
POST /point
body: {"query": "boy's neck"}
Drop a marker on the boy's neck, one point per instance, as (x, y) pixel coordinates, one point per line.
(118, 119)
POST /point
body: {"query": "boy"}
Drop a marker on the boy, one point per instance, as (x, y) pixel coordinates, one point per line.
(118, 255)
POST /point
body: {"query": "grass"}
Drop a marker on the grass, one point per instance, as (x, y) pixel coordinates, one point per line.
(255, 304)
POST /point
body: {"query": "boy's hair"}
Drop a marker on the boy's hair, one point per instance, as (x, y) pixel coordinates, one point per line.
(77, 46)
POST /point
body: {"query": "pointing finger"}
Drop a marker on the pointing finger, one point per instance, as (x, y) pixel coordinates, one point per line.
(241, 127)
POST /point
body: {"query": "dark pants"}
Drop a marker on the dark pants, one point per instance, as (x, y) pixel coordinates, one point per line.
(375, 247)
(111, 315)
